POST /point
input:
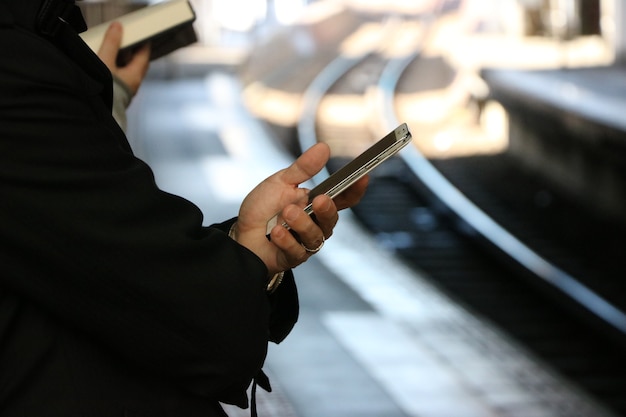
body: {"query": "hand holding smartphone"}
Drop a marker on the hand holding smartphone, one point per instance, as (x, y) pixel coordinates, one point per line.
(355, 169)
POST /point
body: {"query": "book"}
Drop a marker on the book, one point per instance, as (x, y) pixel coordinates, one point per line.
(167, 25)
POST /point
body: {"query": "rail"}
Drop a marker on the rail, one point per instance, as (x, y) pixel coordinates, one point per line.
(480, 222)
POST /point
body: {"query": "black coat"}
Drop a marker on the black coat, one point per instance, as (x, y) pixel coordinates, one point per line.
(114, 299)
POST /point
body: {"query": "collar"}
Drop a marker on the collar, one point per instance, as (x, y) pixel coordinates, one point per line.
(45, 17)
(54, 14)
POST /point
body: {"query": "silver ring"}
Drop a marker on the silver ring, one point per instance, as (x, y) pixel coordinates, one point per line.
(316, 249)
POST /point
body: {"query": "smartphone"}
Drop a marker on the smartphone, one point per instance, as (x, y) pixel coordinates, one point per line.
(355, 169)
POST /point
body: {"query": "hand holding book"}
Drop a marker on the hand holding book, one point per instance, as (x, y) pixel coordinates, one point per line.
(167, 25)
(131, 74)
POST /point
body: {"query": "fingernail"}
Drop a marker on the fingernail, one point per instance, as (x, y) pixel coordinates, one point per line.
(325, 207)
(115, 26)
(279, 232)
(291, 213)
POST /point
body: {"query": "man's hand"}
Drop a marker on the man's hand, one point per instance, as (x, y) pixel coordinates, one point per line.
(133, 73)
(280, 193)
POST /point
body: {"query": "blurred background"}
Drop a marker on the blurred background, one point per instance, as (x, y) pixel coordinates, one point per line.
(483, 275)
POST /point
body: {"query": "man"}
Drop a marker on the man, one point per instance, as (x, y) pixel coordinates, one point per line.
(114, 299)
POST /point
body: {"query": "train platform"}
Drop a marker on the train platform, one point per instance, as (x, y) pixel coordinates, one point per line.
(578, 139)
(375, 338)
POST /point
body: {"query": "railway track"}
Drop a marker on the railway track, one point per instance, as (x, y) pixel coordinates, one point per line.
(481, 235)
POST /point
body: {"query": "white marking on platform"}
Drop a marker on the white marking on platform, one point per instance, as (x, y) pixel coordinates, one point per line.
(412, 375)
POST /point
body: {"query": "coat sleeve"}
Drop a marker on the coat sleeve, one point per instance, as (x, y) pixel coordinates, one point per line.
(86, 234)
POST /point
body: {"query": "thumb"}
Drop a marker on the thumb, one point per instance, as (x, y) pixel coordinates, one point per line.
(111, 44)
(307, 165)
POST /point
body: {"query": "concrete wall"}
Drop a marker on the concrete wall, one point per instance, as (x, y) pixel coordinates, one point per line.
(619, 20)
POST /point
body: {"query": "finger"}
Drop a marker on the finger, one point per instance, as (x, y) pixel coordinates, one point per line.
(353, 195)
(326, 215)
(309, 233)
(134, 72)
(111, 44)
(307, 165)
(140, 59)
(293, 254)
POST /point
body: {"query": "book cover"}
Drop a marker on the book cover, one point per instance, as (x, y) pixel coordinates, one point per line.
(166, 25)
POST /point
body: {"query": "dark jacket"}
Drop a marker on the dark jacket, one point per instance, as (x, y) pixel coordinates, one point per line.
(114, 299)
